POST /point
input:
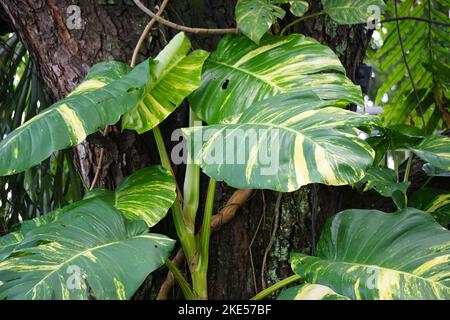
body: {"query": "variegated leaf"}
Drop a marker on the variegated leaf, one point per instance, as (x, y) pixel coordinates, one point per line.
(255, 17)
(240, 73)
(146, 195)
(432, 171)
(435, 150)
(91, 250)
(174, 74)
(368, 254)
(384, 181)
(434, 201)
(284, 147)
(353, 11)
(104, 96)
(8, 243)
(109, 90)
(308, 291)
(298, 7)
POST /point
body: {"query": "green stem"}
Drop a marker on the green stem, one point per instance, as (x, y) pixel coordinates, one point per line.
(293, 23)
(199, 276)
(407, 172)
(184, 232)
(395, 158)
(277, 286)
(408, 167)
(164, 156)
(184, 285)
(191, 189)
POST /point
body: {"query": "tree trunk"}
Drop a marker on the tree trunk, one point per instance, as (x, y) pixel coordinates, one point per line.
(110, 30)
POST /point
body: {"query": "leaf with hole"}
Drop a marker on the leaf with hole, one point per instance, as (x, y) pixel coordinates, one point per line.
(240, 73)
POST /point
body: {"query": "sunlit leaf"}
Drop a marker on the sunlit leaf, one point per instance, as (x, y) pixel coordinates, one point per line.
(173, 74)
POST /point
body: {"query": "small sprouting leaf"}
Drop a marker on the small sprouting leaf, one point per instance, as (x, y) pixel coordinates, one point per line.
(384, 181)
(255, 17)
(298, 8)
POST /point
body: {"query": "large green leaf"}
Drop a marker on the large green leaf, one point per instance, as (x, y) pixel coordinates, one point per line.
(352, 11)
(240, 73)
(173, 76)
(8, 243)
(310, 292)
(90, 250)
(145, 195)
(99, 101)
(435, 150)
(283, 147)
(149, 93)
(368, 254)
(255, 17)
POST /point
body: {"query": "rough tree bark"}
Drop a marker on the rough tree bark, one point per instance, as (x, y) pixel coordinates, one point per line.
(110, 30)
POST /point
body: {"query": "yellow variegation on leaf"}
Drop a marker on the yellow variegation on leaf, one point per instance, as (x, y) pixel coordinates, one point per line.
(368, 254)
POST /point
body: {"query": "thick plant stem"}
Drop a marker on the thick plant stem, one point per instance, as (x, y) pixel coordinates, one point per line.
(406, 176)
(199, 276)
(186, 234)
(277, 286)
(191, 189)
(225, 215)
(408, 167)
(184, 285)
